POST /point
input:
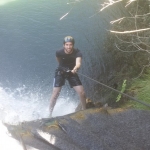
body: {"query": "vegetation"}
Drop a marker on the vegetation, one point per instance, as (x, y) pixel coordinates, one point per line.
(131, 48)
(122, 91)
(141, 89)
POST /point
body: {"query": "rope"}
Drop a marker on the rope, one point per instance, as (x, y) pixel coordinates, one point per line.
(139, 101)
(132, 98)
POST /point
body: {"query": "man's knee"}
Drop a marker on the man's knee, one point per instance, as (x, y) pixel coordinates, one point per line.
(81, 93)
(56, 92)
(80, 90)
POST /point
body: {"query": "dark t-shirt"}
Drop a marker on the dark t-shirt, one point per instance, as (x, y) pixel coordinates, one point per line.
(68, 60)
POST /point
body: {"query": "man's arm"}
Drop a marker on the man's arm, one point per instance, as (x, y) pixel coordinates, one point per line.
(58, 59)
(78, 65)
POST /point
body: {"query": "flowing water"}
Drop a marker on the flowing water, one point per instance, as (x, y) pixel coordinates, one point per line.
(30, 33)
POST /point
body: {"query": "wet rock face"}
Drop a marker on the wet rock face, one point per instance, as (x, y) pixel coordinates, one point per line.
(92, 129)
(89, 104)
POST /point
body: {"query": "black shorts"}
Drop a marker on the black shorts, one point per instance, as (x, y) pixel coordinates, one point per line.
(61, 76)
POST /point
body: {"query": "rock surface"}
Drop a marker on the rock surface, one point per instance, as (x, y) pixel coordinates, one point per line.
(91, 129)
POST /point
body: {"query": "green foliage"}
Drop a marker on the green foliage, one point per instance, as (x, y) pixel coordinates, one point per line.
(141, 89)
(122, 90)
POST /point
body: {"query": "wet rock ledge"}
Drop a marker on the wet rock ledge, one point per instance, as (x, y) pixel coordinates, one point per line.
(91, 129)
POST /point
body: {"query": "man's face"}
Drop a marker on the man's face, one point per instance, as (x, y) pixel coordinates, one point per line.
(68, 46)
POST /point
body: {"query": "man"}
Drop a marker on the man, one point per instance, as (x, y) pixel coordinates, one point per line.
(69, 60)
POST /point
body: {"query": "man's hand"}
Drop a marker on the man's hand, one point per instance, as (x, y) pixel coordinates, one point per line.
(77, 66)
(74, 71)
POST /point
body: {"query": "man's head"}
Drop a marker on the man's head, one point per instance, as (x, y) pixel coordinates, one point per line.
(69, 39)
(68, 44)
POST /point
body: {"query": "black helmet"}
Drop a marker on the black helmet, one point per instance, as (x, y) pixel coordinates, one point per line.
(69, 39)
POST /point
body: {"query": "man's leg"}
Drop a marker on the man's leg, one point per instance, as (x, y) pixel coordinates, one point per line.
(55, 94)
(80, 90)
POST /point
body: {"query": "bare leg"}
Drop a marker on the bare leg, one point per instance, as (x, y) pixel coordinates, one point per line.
(55, 94)
(80, 90)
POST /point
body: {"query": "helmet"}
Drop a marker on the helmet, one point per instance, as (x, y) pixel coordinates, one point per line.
(69, 39)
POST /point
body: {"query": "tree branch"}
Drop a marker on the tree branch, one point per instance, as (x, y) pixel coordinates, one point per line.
(132, 31)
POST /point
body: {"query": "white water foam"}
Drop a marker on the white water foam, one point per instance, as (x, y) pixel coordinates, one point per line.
(22, 105)
(19, 105)
(7, 142)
